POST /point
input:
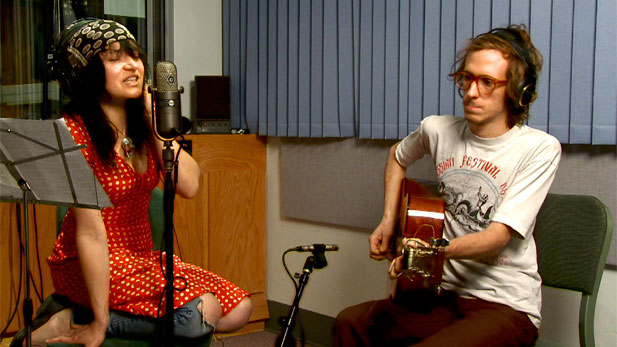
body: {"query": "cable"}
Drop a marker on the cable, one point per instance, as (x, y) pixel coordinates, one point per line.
(178, 244)
(181, 145)
(38, 256)
(216, 339)
(23, 252)
(297, 313)
(22, 249)
(18, 216)
(287, 270)
(158, 310)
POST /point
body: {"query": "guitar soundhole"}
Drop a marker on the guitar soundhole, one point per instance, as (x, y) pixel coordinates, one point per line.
(425, 232)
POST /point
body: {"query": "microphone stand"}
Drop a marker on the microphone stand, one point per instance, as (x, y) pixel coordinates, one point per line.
(317, 261)
(169, 194)
(168, 210)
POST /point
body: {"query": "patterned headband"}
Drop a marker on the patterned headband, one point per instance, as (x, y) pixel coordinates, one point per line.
(92, 38)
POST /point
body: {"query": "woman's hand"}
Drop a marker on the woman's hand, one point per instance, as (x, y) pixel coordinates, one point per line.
(148, 100)
(91, 335)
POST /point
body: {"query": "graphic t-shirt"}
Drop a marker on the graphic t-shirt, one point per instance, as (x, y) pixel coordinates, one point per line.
(503, 179)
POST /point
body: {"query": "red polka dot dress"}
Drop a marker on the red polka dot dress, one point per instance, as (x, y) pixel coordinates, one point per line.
(136, 279)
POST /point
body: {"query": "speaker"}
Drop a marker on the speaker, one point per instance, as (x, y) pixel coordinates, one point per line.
(213, 111)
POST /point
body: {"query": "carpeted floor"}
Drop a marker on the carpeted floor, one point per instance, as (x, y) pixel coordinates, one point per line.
(258, 339)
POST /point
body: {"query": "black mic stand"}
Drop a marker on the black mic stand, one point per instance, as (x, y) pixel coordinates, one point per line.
(317, 261)
(169, 194)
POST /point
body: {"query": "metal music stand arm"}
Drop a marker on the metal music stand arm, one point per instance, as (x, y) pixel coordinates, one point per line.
(27, 308)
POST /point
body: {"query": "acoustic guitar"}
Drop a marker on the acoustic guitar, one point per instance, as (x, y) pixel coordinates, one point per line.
(419, 238)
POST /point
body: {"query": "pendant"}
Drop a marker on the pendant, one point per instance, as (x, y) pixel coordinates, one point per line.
(127, 147)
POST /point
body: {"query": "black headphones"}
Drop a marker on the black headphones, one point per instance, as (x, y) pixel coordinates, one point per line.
(64, 72)
(526, 90)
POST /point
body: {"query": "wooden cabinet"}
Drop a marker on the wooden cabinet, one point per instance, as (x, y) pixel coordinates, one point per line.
(223, 229)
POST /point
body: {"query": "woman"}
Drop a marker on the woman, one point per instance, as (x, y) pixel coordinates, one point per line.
(104, 259)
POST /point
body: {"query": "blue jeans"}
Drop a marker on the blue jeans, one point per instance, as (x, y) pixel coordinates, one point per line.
(188, 324)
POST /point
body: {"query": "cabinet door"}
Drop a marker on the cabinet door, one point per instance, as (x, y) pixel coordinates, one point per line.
(223, 229)
(236, 227)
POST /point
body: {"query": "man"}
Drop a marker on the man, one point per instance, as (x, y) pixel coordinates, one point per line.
(494, 173)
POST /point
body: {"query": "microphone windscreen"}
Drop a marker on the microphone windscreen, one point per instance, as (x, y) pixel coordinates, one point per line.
(166, 77)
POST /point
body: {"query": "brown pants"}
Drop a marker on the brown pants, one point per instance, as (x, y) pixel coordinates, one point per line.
(428, 320)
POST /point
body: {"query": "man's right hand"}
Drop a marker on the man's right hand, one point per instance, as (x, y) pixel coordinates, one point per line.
(379, 241)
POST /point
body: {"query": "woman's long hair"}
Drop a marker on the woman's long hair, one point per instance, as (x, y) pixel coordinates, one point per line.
(89, 88)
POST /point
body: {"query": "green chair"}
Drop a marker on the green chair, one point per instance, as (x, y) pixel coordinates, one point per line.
(157, 218)
(573, 235)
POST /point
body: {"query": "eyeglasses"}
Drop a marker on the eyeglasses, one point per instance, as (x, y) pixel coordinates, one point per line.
(485, 84)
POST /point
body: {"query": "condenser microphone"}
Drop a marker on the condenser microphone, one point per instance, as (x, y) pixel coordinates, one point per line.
(168, 118)
(315, 247)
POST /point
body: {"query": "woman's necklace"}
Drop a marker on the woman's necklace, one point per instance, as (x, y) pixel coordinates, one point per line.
(127, 147)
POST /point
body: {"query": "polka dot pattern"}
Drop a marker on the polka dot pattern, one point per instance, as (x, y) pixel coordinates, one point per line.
(93, 37)
(136, 278)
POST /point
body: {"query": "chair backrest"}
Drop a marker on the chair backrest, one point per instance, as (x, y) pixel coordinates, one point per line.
(155, 212)
(573, 235)
(157, 218)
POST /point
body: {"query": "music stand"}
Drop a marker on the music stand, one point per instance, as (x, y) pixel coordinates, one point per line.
(42, 164)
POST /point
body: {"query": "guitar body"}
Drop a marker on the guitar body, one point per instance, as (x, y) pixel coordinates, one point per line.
(420, 212)
(421, 216)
